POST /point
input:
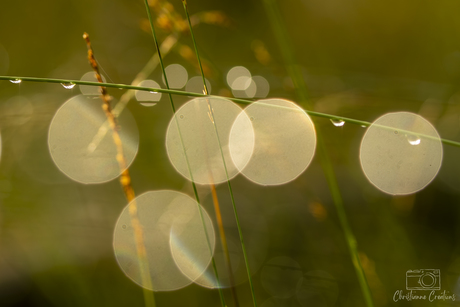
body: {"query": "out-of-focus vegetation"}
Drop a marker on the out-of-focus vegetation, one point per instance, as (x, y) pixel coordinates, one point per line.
(359, 60)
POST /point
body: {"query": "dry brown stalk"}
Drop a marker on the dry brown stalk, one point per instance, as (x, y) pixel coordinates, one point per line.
(223, 239)
(125, 178)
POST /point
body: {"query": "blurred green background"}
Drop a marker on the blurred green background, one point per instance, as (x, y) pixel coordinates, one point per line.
(360, 59)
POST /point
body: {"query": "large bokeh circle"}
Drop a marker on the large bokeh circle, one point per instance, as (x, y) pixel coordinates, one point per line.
(401, 153)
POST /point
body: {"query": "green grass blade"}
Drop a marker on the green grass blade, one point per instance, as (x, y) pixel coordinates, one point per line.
(240, 233)
(184, 3)
(295, 73)
(183, 93)
(326, 164)
(221, 295)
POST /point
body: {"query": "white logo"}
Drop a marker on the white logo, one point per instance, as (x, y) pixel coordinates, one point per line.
(423, 284)
(428, 279)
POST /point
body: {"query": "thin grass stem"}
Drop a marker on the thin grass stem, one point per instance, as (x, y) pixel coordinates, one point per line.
(223, 240)
(251, 285)
(326, 164)
(212, 186)
(237, 100)
(221, 295)
(184, 3)
(295, 73)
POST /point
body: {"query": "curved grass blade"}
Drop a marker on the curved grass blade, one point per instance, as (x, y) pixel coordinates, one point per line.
(281, 34)
(184, 93)
(184, 2)
(221, 295)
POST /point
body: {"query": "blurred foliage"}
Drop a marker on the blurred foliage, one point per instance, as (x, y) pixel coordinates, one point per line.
(360, 60)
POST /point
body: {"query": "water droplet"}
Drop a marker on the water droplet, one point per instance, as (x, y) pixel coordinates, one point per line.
(391, 163)
(364, 126)
(337, 122)
(148, 104)
(150, 96)
(413, 139)
(252, 118)
(123, 226)
(181, 117)
(16, 81)
(68, 86)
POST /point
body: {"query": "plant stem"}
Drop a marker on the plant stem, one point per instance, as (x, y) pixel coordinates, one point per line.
(251, 285)
(184, 3)
(166, 46)
(125, 180)
(295, 73)
(221, 295)
(237, 100)
(215, 199)
(223, 240)
(326, 164)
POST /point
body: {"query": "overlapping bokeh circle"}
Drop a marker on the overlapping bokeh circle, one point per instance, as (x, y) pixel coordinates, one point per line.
(81, 144)
(178, 237)
(211, 140)
(401, 153)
